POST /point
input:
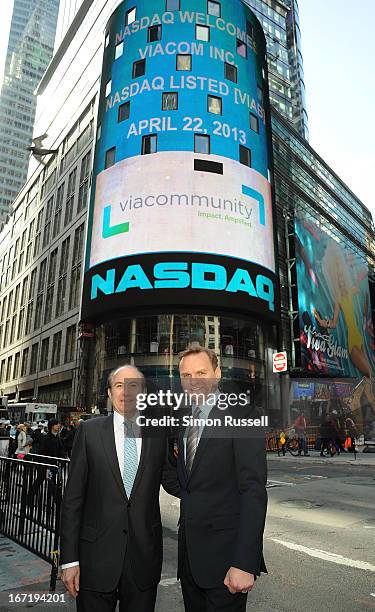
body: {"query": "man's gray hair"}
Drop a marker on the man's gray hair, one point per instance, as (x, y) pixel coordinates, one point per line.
(124, 366)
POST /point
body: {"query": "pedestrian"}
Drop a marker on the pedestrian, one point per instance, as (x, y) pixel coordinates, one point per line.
(351, 433)
(325, 436)
(223, 498)
(51, 444)
(111, 534)
(23, 445)
(69, 439)
(300, 425)
(37, 436)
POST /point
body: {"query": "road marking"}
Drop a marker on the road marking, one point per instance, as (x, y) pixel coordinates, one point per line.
(280, 482)
(310, 476)
(327, 556)
(372, 594)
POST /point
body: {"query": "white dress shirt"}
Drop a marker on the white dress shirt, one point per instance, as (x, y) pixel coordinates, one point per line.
(119, 433)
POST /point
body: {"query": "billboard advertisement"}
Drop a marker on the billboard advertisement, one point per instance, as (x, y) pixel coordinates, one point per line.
(181, 204)
(337, 336)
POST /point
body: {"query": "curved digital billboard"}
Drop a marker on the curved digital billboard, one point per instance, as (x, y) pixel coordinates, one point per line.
(181, 204)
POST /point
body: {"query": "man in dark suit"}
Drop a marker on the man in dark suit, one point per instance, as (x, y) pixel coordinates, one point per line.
(223, 474)
(111, 533)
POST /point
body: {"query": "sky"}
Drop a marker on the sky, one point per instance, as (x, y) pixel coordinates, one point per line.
(338, 54)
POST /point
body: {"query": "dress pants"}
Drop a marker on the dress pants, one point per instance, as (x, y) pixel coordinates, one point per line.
(131, 598)
(218, 599)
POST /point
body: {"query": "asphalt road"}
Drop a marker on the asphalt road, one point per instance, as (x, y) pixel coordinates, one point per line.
(319, 542)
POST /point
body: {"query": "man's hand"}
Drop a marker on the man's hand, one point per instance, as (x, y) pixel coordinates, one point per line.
(70, 577)
(238, 581)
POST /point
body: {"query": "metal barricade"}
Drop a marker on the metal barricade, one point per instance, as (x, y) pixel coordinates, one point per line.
(30, 504)
(61, 463)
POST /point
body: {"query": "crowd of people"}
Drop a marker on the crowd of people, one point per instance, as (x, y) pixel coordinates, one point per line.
(55, 440)
(336, 435)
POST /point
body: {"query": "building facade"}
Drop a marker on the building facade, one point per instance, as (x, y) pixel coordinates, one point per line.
(44, 351)
(30, 49)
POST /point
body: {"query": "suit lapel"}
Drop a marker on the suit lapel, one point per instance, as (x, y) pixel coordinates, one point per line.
(109, 445)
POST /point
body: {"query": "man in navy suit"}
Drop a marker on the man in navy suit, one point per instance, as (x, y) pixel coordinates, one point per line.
(223, 477)
(111, 533)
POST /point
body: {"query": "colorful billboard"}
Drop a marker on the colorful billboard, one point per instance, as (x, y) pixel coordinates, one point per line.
(181, 209)
(337, 336)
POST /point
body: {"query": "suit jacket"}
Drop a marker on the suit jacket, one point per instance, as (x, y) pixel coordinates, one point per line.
(223, 503)
(98, 521)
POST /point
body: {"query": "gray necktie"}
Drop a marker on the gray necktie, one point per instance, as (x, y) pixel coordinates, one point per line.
(130, 457)
(192, 440)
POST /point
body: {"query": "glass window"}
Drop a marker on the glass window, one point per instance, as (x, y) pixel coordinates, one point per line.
(149, 144)
(123, 112)
(241, 48)
(110, 157)
(245, 156)
(139, 68)
(119, 50)
(201, 144)
(230, 72)
(254, 123)
(170, 101)
(183, 62)
(214, 105)
(154, 33)
(214, 8)
(202, 33)
(172, 5)
(108, 88)
(249, 28)
(130, 16)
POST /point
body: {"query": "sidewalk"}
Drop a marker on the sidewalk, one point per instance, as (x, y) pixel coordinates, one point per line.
(362, 459)
(23, 572)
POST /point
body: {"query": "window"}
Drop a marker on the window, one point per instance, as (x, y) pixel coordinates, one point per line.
(56, 349)
(70, 342)
(249, 28)
(202, 33)
(241, 48)
(108, 88)
(110, 157)
(260, 94)
(172, 5)
(202, 165)
(201, 144)
(9, 369)
(254, 123)
(84, 182)
(61, 287)
(214, 105)
(44, 354)
(230, 72)
(58, 211)
(119, 50)
(16, 365)
(69, 204)
(149, 144)
(25, 358)
(183, 61)
(139, 68)
(34, 358)
(130, 16)
(170, 101)
(47, 222)
(214, 8)
(123, 112)
(154, 33)
(245, 156)
(75, 277)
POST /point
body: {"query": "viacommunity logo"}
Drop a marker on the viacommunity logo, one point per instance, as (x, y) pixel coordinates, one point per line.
(114, 230)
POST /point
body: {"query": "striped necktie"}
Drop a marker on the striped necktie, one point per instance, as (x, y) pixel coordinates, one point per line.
(192, 440)
(130, 457)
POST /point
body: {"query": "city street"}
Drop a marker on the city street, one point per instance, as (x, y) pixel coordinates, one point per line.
(319, 541)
